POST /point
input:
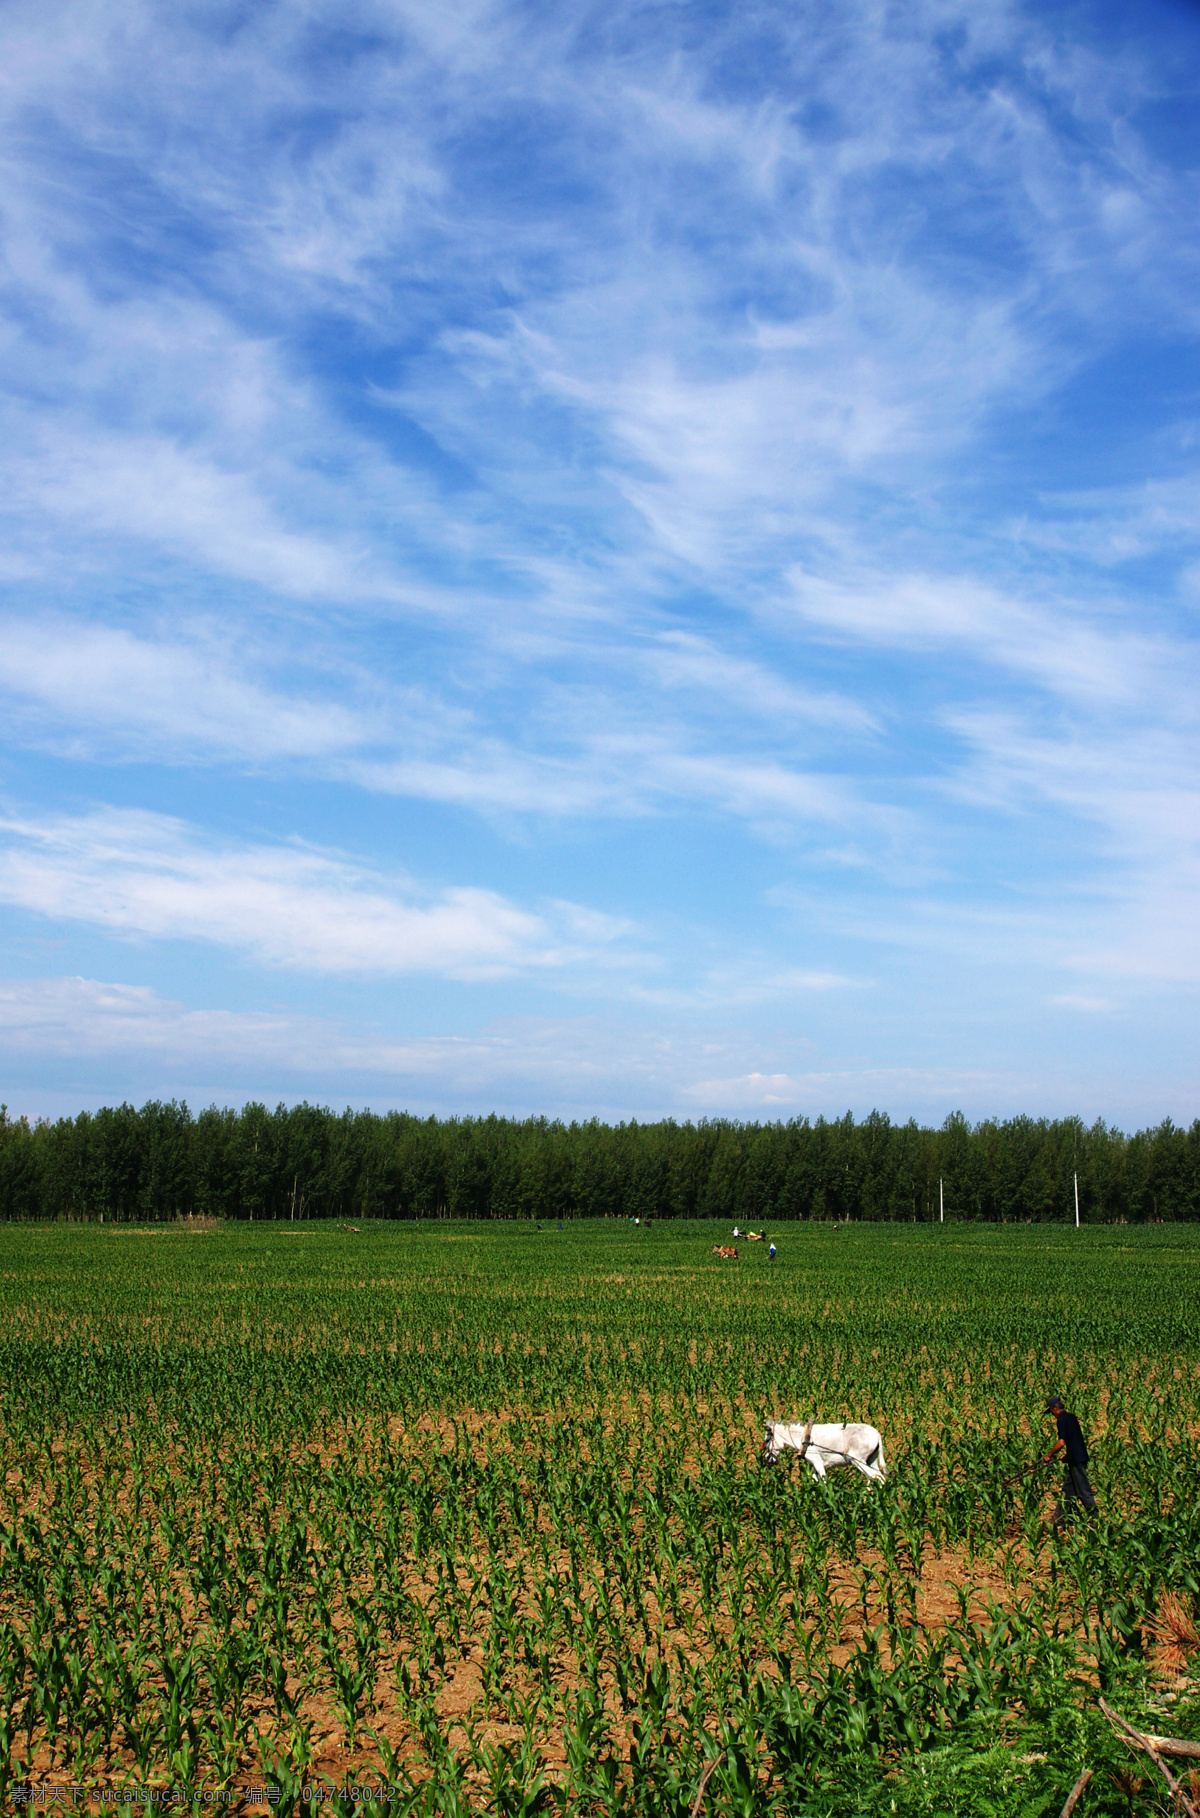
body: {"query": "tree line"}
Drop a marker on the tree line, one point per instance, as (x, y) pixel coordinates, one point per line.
(120, 1164)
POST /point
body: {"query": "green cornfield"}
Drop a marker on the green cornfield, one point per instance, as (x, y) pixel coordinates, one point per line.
(470, 1517)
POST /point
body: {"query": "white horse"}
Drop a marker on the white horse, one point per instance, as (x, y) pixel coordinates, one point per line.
(826, 1445)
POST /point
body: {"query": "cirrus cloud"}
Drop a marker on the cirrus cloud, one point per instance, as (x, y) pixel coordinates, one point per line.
(148, 876)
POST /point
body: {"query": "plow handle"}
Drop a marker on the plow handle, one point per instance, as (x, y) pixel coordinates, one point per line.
(1026, 1470)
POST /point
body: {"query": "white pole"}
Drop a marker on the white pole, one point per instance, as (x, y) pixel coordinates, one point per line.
(1077, 1202)
(941, 1203)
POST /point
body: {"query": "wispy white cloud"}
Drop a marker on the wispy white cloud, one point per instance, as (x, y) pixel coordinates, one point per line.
(104, 691)
(94, 687)
(722, 397)
(1083, 652)
(1123, 523)
(608, 418)
(632, 775)
(767, 1096)
(95, 1032)
(147, 876)
(751, 981)
(1138, 790)
(196, 506)
(682, 662)
(518, 1063)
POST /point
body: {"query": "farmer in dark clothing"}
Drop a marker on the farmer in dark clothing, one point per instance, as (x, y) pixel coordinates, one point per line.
(1076, 1487)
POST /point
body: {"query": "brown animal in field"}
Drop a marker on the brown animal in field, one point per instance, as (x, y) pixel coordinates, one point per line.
(727, 1250)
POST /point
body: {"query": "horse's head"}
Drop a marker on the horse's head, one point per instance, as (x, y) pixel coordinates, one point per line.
(770, 1451)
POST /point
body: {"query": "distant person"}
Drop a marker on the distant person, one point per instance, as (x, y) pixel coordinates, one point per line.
(771, 1254)
(1070, 1441)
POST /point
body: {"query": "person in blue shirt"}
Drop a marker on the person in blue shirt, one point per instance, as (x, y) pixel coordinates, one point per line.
(1071, 1442)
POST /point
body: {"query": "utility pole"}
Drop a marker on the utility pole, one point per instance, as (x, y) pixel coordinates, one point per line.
(941, 1202)
(1077, 1202)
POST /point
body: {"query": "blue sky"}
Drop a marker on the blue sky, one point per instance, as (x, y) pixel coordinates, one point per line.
(625, 561)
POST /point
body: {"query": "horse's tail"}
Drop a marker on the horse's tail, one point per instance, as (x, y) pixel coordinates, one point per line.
(878, 1459)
